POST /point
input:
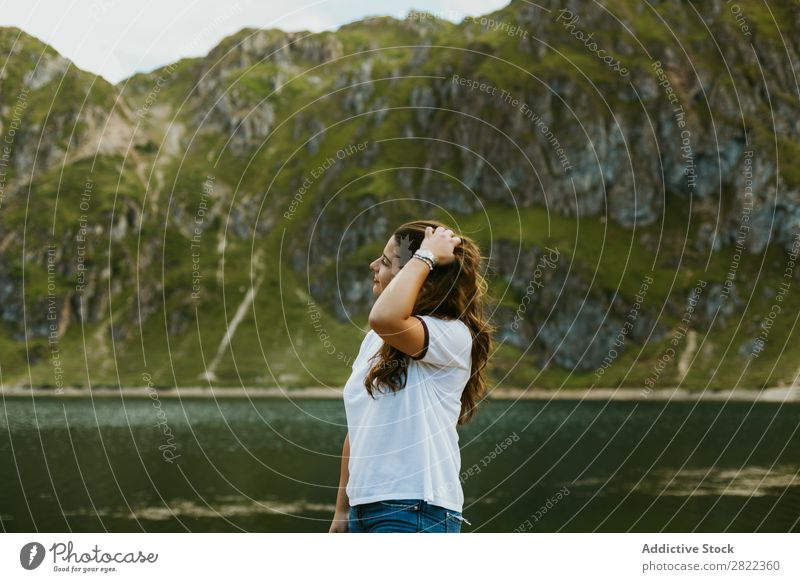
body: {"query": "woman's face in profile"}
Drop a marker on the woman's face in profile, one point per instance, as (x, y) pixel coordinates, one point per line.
(385, 267)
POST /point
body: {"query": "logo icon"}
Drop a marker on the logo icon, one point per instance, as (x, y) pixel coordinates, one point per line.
(31, 555)
(404, 252)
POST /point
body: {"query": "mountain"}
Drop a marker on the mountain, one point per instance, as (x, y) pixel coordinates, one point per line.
(630, 171)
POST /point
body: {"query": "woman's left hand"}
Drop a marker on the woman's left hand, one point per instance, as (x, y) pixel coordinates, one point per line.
(441, 243)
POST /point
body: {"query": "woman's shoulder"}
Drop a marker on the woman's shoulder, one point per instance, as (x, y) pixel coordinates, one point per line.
(448, 342)
(448, 325)
(444, 320)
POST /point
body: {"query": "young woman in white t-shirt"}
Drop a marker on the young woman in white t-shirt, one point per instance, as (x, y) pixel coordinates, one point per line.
(420, 372)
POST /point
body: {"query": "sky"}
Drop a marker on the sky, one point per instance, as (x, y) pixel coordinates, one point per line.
(117, 38)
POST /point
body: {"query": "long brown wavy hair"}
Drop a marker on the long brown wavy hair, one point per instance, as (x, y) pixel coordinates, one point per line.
(454, 291)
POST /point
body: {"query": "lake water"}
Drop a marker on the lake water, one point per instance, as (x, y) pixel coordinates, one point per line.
(272, 465)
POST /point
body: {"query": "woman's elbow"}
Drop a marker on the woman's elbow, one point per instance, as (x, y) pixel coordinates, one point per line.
(382, 322)
(378, 322)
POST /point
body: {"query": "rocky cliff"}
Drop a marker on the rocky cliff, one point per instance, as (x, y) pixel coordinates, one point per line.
(629, 170)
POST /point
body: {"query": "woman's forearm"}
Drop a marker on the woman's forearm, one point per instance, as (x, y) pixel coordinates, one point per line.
(342, 502)
(396, 302)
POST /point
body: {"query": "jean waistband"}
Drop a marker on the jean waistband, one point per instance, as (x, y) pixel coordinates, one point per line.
(413, 504)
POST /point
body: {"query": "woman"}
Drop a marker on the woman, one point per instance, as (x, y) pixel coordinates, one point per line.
(419, 373)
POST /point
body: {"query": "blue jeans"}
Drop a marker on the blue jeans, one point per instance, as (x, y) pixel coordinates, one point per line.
(403, 515)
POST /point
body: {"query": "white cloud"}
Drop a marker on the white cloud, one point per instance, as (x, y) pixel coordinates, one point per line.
(116, 38)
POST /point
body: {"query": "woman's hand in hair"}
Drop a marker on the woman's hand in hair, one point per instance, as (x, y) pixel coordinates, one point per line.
(441, 242)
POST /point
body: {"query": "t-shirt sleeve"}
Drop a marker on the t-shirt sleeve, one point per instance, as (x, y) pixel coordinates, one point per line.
(448, 343)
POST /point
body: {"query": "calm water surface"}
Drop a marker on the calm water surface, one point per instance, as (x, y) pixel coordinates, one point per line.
(271, 465)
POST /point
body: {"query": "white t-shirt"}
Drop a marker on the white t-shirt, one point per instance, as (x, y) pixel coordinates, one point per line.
(404, 444)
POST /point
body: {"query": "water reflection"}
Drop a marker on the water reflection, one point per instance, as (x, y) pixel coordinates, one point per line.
(272, 465)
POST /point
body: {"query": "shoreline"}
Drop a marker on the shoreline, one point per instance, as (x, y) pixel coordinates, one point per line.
(775, 394)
